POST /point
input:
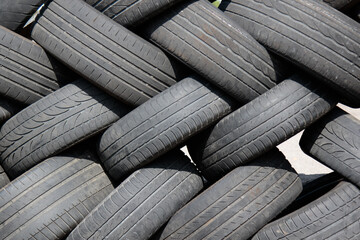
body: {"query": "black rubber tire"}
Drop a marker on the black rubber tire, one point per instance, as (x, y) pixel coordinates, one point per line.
(335, 215)
(15, 13)
(49, 200)
(335, 141)
(143, 202)
(312, 191)
(27, 72)
(340, 4)
(210, 43)
(160, 124)
(55, 123)
(309, 33)
(131, 13)
(4, 179)
(7, 109)
(260, 125)
(104, 52)
(239, 204)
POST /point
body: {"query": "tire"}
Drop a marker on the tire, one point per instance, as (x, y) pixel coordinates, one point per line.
(131, 13)
(335, 141)
(260, 125)
(27, 73)
(55, 123)
(7, 109)
(159, 125)
(203, 38)
(335, 215)
(49, 200)
(4, 179)
(239, 204)
(104, 52)
(14, 14)
(340, 4)
(143, 202)
(310, 34)
(312, 191)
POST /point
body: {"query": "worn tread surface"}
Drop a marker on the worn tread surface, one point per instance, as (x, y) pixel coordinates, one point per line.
(104, 52)
(161, 124)
(261, 124)
(335, 141)
(49, 200)
(27, 72)
(15, 13)
(54, 123)
(335, 215)
(239, 204)
(143, 202)
(310, 33)
(4, 179)
(130, 13)
(209, 42)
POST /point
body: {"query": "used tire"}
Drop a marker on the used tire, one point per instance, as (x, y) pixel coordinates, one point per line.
(335, 141)
(160, 124)
(335, 215)
(104, 52)
(55, 123)
(260, 125)
(210, 43)
(27, 72)
(239, 204)
(49, 200)
(310, 34)
(143, 202)
(15, 13)
(340, 4)
(131, 13)
(4, 179)
(7, 109)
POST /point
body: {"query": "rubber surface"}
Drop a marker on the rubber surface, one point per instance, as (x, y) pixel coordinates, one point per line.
(335, 215)
(340, 4)
(54, 123)
(335, 141)
(104, 52)
(143, 202)
(309, 33)
(7, 109)
(261, 125)
(130, 13)
(239, 204)
(49, 200)
(27, 72)
(160, 124)
(4, 179)
(15, 13)
(210, 43)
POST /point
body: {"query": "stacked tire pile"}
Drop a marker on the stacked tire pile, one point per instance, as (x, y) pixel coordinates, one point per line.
(98, 97)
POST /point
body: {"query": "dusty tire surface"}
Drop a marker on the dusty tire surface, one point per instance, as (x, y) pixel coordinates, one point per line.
(260, 125)
(104, 52)
(49, 200)
(335, 215)
(55, 123)
(130, 13)
(161, 124)
(4, 179)
(210, 43)
(27, 72)
(144, 201)
(15, 13)
(335, 141)
(311, 34)
(239, 204)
